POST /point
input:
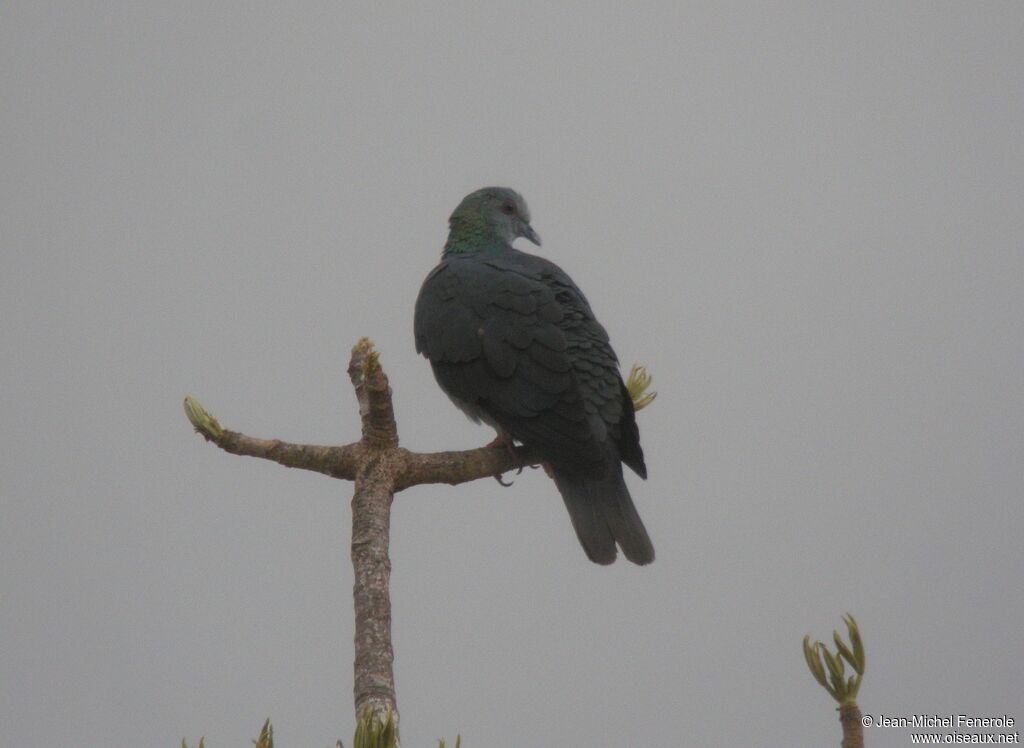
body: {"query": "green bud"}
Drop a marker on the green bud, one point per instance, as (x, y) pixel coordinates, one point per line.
(858, 645)
(203, 422)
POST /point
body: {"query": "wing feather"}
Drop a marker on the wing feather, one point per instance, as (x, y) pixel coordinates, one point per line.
(514, 342)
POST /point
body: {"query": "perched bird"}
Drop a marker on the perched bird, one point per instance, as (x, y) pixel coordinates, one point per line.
(514, 344)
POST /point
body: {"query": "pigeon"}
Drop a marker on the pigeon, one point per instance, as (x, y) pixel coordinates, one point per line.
(514, 344)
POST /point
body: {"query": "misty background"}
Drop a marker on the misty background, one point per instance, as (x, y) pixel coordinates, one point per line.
(806, 220)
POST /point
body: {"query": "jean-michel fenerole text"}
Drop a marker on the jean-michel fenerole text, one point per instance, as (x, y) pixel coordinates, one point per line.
(943, 720)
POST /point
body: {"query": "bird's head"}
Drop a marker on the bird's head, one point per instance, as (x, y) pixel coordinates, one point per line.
(495, 211)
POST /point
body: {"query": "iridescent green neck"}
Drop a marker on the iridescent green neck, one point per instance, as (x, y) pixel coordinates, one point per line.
(471, 236)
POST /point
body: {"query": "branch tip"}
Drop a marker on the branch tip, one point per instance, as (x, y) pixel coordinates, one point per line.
(371, 363)
(362, 347)
(637, 382)
(203, 422)
(828, 668)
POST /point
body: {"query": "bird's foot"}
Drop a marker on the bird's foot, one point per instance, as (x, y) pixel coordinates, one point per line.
(505, 441)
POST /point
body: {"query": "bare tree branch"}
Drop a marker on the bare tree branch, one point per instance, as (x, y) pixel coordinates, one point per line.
(453, 468)
(380, 468)
(853, 725)
(374, 395)
(337, 462)
(371, 528)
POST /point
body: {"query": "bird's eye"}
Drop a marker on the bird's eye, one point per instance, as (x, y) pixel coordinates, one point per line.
(508, 208)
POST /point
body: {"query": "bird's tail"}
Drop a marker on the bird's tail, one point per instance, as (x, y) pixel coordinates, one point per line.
(603, 514)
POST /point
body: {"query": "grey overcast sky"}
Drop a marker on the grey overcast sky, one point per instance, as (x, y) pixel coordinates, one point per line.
(806, 219)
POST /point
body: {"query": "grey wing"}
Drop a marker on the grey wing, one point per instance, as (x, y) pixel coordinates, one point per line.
(497, 341)
(607, 404)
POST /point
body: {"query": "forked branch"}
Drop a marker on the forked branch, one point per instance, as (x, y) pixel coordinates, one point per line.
(380, 468)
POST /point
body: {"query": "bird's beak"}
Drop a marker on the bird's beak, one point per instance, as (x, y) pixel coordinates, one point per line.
(530, 234)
